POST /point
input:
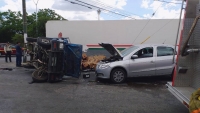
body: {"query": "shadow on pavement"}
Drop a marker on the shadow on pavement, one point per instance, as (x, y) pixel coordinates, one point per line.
(141, 80)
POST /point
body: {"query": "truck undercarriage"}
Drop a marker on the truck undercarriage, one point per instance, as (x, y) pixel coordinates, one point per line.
(53, 58)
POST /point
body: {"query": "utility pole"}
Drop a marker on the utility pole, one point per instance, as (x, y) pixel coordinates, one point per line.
(24, 19)
(178, 31)
(24, 26)
(98, 12)
(36, 3)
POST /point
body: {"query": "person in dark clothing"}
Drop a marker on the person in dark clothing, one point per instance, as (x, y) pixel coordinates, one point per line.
(18, 55)
(8, 50)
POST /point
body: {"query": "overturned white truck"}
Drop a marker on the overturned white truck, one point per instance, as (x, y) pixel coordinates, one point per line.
(186, 78)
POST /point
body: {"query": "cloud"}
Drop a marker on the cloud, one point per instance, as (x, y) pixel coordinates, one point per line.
(64, 8)
(145, 3)
(162, 10)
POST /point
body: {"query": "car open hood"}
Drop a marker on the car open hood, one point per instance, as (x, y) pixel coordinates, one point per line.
(111, 49)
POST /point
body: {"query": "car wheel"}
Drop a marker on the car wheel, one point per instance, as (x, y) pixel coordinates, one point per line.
(0, 54)
(44, 42)
(118, 76)
(39, 75)
(31, 39)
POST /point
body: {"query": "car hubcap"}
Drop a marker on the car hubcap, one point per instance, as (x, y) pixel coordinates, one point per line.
(118, 76)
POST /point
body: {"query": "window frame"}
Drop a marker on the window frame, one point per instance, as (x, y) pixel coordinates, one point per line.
(150, 47)
(165, 50)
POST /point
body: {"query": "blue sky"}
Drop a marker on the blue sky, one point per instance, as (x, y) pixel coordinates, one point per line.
(142, 8)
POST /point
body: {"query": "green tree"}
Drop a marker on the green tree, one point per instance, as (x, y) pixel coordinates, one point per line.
(43, 16)
(18, 38)
(11, 23)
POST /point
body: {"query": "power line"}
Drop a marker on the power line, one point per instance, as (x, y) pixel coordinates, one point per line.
(111, 15)
(161, 28)
(167, 2)
(103, 9)
(116, 9)
(146, 24)
(78, 4)
(84, 12)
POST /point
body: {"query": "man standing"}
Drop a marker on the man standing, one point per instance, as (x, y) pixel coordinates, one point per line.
(8, 50)
(18, 55)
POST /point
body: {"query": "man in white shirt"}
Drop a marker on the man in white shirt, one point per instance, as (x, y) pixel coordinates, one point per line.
(8, 50)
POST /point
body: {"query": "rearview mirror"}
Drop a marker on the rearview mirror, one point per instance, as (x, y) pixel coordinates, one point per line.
(134, 56)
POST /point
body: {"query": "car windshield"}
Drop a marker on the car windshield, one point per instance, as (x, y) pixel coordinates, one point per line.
(128, 50)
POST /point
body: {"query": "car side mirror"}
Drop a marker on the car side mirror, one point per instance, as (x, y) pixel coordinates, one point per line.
(134, 56)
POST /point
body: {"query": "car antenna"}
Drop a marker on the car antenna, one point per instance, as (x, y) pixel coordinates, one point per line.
(164, 41)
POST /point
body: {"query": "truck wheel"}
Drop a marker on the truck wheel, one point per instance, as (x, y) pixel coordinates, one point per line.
(118, 76)
(44, 42)
(39, 75)
(31, 39)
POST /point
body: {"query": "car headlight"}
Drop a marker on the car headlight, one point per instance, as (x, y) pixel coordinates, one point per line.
(61, 46)
(104, 66)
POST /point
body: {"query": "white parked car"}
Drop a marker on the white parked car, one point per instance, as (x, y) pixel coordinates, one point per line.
(136, 61)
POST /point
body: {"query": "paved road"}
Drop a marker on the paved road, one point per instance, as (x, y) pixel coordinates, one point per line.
(138, 95)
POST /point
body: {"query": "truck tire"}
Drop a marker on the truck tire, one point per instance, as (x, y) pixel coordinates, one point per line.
(118, 76)
(44, 42)
(31, 39)
(37, 76)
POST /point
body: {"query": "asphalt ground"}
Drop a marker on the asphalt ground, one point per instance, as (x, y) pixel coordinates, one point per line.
(72, 95)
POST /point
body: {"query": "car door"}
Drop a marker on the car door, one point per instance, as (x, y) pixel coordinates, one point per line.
(144, 65)
(164, 60)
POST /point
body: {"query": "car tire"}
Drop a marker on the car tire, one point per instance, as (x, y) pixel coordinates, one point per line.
(44, 42)
(118, 76)
(0, 54)
(31, 39)
(37, 78)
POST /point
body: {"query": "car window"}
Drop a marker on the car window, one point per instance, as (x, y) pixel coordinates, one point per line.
(145, 52)
(128, 50)
(164, 51)
(13, 46)
(2, 45)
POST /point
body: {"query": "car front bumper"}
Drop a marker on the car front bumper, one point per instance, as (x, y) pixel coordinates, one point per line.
(103, 73)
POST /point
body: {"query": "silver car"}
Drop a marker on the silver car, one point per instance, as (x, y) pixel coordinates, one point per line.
(136, 61)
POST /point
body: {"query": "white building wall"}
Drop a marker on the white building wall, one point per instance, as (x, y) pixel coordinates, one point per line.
(115, 31)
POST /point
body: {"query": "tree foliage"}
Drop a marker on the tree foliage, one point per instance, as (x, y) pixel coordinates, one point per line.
(18, 38)
(11, 23)
(11, 27)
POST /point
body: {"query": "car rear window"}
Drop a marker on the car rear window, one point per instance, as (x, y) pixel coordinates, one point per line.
(164, 51)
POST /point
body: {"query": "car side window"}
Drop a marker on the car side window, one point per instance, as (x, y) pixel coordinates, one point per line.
(145, 52)
(2, 45)
(164, 51)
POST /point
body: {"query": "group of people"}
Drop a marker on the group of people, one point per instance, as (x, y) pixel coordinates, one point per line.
(8, 51)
